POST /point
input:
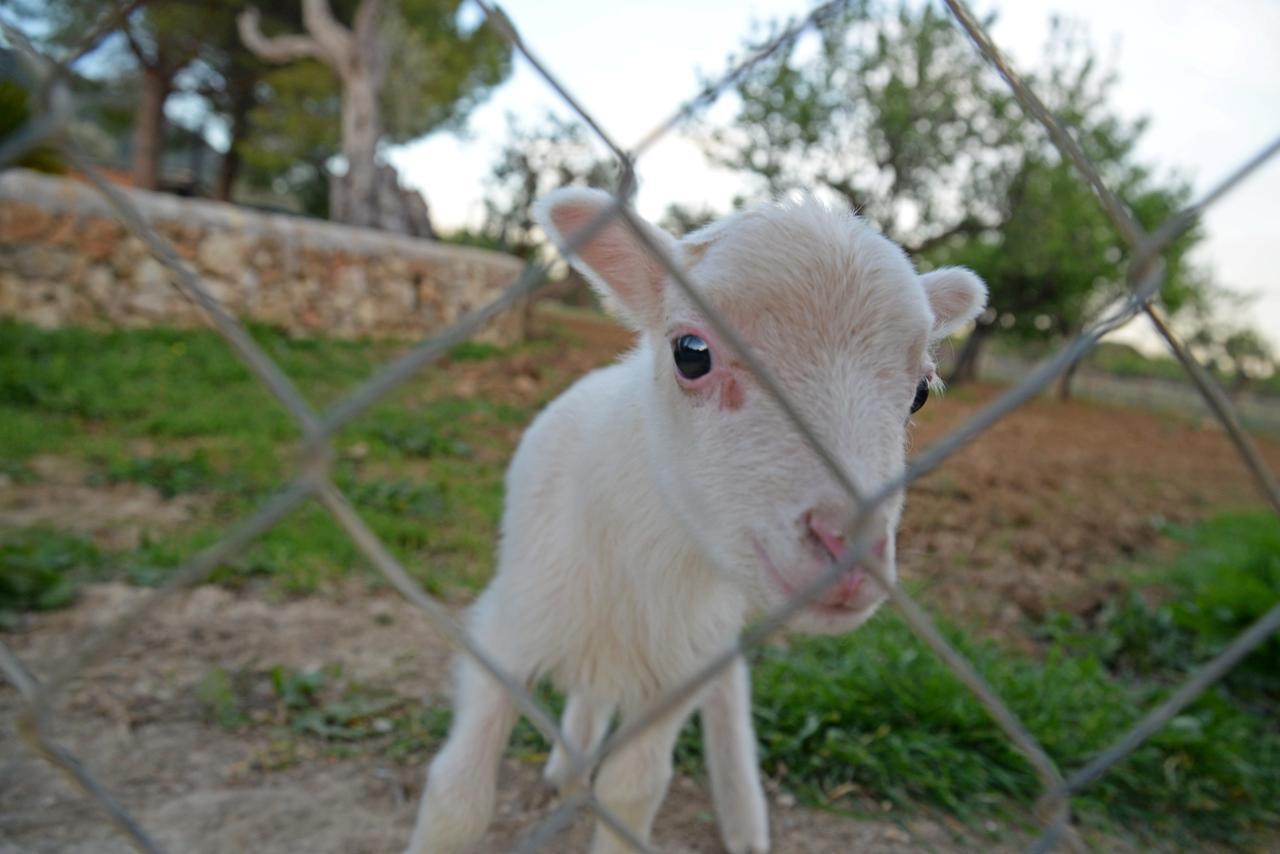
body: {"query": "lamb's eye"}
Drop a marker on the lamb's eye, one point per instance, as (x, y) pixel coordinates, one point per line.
(922, 394)
(692, 356)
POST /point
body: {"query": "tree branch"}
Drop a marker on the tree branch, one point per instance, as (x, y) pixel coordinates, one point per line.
(334, 39)
(277, 49)
(366, 33)
(967, 226)
(138, 52)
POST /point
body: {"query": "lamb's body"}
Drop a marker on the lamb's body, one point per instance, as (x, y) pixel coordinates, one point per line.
(650, 509)
(609, 593)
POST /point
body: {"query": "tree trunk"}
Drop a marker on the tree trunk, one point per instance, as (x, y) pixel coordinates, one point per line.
(1064, 381)
(966, 366)
(229, 169)
(149, 125)
(358, 198)
(356, 56)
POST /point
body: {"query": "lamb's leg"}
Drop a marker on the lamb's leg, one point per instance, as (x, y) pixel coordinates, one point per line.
(730, 745)
(462, 780)
(585, 723)
(633, 780)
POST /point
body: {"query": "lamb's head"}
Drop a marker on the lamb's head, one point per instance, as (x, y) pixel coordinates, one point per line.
(840, 318)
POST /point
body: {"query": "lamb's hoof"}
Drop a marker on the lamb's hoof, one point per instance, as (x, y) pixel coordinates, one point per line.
(746, 840)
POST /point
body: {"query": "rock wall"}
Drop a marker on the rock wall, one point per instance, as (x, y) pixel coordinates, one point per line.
(66, 260)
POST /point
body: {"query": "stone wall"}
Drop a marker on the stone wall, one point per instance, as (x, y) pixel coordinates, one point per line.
(65, 260)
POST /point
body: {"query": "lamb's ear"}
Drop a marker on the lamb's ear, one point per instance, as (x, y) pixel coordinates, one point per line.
(956, 295)
(614, 261)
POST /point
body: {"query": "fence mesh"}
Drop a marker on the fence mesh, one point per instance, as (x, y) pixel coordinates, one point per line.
(312, 480)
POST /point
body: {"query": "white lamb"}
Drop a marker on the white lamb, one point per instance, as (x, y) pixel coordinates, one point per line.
(660, 502)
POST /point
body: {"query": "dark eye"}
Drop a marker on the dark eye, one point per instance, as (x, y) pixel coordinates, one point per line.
(692, 356)
(922, 394)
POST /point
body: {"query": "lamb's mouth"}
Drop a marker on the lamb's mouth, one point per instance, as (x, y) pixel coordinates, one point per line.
(842, 599)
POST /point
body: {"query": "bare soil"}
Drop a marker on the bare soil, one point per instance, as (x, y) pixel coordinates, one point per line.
(196, 787)
(116, 517)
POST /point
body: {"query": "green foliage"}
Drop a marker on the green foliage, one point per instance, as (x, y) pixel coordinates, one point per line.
(1123, 360)
(474, 351)
(1226, 578)
(292, 131)
(168, 474)
(891, 110)
(211, 429)
(399, 498)
(39, 569)
(441, 71)
(894, 112)
(216, 696)
(877, 714)
(15, 112)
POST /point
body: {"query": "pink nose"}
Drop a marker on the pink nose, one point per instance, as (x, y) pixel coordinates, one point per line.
(833, 541)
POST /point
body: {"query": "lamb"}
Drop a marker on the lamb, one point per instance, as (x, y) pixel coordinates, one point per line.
(659, 503)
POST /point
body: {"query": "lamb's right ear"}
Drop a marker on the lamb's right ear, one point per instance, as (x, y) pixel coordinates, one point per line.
(614, 260)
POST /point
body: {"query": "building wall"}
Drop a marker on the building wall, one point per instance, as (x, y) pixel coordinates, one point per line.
(66, 260)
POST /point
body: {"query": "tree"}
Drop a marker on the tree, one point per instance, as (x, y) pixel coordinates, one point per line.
(893, 113)
(1237, 352)
(159, 39)
(1056, 260)
(534, 160)
(899, 116)
(442, 73)
(15, 111)
(232, 81)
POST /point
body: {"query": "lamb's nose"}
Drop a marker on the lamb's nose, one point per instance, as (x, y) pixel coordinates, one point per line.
(833, 541)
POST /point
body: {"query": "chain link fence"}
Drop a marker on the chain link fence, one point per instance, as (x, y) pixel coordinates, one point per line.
(312, 480)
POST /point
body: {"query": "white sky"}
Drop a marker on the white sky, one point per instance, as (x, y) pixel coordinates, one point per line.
(1207, 74)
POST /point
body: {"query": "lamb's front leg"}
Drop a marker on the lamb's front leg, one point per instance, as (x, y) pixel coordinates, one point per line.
(730, 743)
(585, 723)
(462, 780)
(633, 780)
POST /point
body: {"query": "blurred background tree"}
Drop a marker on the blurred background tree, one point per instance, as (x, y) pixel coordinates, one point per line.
(894, 112)
(282, 127)
(15, 112)
(158, 42)
(441, 74)
(536, 158)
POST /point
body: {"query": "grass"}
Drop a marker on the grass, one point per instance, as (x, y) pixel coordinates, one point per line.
(1226, 576)
(876, 714)
(175, 411)
(40, 568)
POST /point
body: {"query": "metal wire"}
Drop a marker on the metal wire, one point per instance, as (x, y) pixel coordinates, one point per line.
(312, 478)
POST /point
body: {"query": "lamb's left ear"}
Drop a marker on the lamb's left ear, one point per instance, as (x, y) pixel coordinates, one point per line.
(614, 261)
(956, 295)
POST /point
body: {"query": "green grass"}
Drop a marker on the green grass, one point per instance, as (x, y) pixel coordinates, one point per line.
(40, 568)
(877, 714)
(175, 410)
(1226, 577)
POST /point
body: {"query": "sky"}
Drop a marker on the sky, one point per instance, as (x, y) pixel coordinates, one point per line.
(1207, 75)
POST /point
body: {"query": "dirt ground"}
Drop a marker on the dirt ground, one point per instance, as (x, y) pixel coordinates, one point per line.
(199, 788)
(1041, 512)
